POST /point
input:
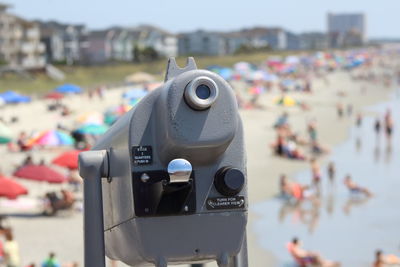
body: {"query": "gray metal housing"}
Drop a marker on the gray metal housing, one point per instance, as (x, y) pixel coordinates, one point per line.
(208, 139)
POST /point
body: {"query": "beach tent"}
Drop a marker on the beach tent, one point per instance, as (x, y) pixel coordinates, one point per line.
(2, 102)
(10, 188)
(140, 77)
(286, 101)
(40, 173)
(68, 89)
(5, 134)
(68, 159)
(51, 138)
(11, 97)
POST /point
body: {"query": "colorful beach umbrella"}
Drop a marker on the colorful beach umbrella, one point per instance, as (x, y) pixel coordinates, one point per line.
(93, 129)
(113, 113)
(10, 188)
(5, 134)
(51, 138)
(90, 118)
(68, 159)
(286, 101)
(54, 95)
(41, 173)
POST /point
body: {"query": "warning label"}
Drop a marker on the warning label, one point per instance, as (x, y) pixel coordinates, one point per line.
(142, 155)
(217, 203)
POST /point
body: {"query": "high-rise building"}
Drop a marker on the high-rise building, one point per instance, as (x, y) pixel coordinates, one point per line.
(346, 30)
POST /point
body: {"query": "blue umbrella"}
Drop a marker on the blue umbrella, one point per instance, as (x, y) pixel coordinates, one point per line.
(68, 89)
(135, 93)
(13, 97)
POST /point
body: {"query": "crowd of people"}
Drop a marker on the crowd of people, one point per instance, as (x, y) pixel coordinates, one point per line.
(285, 76)
(295, 193)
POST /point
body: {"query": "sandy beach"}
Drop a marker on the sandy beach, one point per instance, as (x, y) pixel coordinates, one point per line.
(62, 234)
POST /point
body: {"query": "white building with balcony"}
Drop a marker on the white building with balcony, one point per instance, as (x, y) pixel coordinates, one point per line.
(20, 45)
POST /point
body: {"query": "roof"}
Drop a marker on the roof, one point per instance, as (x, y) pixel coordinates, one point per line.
(150, 28)
(4, 7)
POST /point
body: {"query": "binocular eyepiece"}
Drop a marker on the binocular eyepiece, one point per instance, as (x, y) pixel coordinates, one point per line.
(176, 187)
(201, 93)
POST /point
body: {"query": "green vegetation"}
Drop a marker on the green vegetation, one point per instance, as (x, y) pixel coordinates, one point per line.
(113, 74)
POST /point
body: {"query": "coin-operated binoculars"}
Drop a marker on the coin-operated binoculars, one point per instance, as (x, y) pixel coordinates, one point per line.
(167, 182)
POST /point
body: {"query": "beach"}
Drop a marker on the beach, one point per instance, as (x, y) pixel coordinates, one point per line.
(63, 234)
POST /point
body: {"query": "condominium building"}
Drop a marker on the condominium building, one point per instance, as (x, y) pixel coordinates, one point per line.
(20, 45)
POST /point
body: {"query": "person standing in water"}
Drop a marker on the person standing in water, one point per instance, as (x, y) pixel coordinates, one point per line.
(377, 126)
(331, 171)
(388, 124)
(359, 120)
(316, 175)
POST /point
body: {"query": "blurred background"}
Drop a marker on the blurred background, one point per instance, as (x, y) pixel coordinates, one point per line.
(317, 84)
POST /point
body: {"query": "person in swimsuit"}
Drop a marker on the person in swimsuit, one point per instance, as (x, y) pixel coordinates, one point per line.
(389, 123)
(377, 126)
(382, 260)
(355, 188)
(305, 258)
(316, 173)
(331, 171)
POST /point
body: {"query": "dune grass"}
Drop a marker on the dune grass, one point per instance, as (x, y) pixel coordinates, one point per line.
(92, 76)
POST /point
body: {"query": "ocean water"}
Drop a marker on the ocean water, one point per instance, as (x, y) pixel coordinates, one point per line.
(344, 227)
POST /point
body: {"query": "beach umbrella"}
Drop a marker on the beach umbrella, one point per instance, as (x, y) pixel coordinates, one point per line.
(12, 97)
(135, 93)
(51, 138)
(243, 67)
(68, 159)
(10, 188)
(5, 134)
(93, 129)
(151, 86)
(90, 118)
(41, 173)
(54, 95)
(113, 113)
(68, 89)
(292, 60)
(140, 77)
(286, 101)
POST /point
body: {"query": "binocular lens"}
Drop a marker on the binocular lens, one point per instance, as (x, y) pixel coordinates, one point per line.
(203, 91)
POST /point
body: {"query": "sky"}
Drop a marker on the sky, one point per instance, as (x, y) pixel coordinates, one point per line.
(186, 15)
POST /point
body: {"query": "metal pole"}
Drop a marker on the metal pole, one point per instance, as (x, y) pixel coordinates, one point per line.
(93, 165)
(241, 260)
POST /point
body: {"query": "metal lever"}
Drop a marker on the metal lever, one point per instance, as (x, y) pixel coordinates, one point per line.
(179, 171)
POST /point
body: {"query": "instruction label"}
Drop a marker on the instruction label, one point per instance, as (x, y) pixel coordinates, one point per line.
(219, 203)
(142, 155)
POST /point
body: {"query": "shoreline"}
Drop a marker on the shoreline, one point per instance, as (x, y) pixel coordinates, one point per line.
(292, 167)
